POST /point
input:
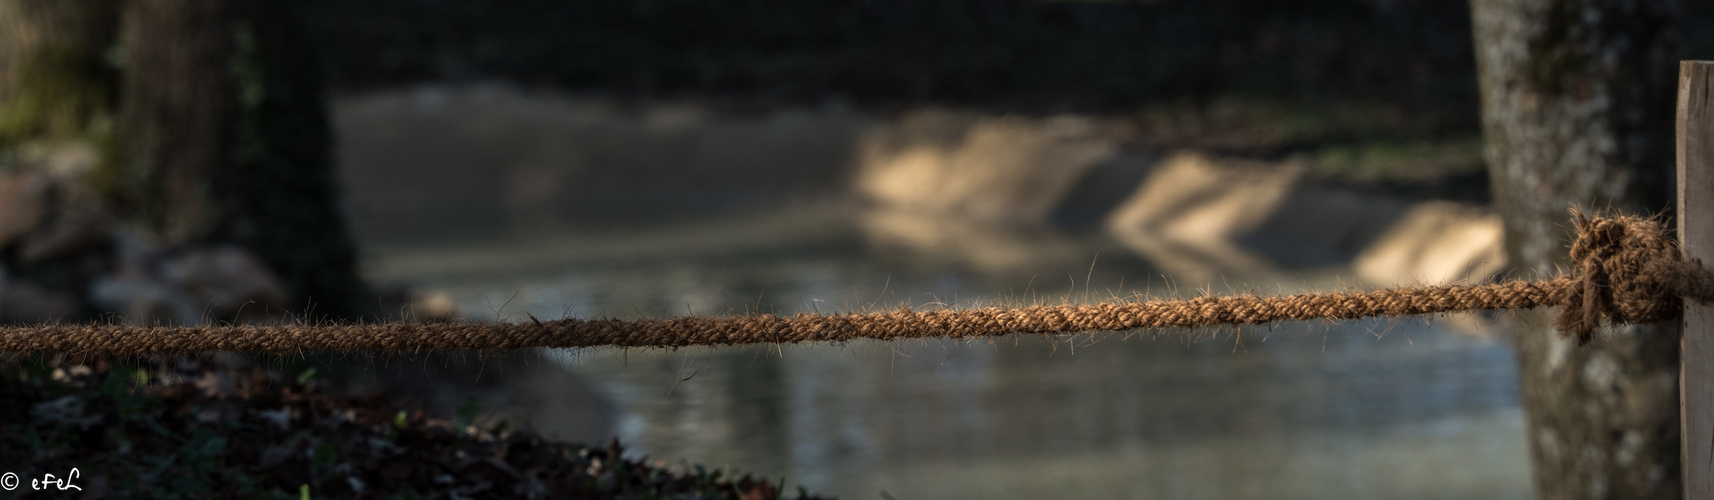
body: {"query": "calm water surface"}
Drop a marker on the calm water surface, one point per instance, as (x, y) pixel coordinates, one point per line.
(1359, 409)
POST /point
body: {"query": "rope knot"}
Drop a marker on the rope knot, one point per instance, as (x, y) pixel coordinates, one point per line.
(1629, 270)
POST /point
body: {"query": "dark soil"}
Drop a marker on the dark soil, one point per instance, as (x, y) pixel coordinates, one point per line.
(178, 430)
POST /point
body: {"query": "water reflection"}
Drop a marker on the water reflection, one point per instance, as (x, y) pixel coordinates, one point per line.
(1300, 410)
(1026, 417)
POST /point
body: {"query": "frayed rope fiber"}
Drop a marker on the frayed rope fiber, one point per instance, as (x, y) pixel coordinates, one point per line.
(1628, 270)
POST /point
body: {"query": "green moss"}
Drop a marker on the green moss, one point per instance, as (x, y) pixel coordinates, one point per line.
(1384, 161)
(61, 94)
(1274, 127)
(63, 87)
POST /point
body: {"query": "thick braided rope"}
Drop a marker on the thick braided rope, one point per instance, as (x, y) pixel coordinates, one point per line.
(730, 330)
(1629, 271)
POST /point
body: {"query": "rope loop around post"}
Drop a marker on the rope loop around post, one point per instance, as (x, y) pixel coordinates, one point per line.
(1630, 270)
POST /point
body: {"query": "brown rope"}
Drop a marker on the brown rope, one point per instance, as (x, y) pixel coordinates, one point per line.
(1628, 271)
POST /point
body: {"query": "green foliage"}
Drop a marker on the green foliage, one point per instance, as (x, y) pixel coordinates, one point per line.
(1398, 160)
(306, 376)
(467, 412)
(63, 84)
(59, 96)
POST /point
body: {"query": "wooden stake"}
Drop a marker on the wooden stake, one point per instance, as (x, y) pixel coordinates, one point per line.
(1696, 237)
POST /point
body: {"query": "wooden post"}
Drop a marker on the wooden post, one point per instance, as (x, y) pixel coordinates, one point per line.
(1696, 237)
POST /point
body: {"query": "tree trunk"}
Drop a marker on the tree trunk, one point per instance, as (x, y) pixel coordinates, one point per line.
(221, 129)
(1577, 100)
(283, 192)
(226, 139)
(176, 116)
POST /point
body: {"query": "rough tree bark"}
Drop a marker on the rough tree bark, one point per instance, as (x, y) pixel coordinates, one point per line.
(176, 116)
(1577, 102)
(221, 131)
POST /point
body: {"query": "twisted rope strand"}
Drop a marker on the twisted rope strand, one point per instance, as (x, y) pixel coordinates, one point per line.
(1628, 271)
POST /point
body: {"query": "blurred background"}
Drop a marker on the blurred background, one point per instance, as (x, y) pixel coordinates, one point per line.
(430, 160)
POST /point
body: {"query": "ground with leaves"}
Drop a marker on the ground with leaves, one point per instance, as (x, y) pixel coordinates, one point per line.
(175, 433)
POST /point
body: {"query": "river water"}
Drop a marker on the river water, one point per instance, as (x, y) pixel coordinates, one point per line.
(1357, 409)
(517, 205)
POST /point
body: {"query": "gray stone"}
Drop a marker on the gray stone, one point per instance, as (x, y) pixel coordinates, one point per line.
(26, 303)
(142, 300)
(997, 169)
(73, 234)
(23, 205)
(1436, 243)
(226, 281)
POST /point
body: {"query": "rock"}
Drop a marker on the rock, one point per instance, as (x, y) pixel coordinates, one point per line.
(193, 287)
(1436, 243)
(1194, 198)
(1199, 217)
(1190, 213)
(73, 234)
(23, 205)
(401, 304)
(226, 281)
(26, 303)
(1322, 226)
(1439, 243)
(987, 246)
(69, 162)
(1101, 190)
(135, 251)
(1191, 262)
(1005, 169)
(432, 306)
(143, 300)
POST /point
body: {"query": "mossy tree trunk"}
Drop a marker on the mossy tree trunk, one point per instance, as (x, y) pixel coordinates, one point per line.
(281, 196)
(221, 129)
(1577, 100)
(177, 111)
(55, 80)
